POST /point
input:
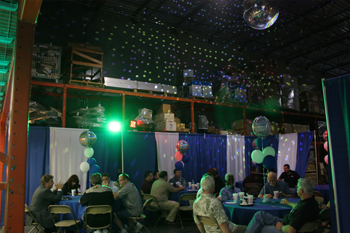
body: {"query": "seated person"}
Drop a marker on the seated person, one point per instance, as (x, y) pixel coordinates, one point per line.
(106, 181)
(208, 205)
(156, 176)
(218, 182)
(147, 183)
(200, 191)
(302, 212)
(289, 176)
(98, 194)
(275, 185)
(72, 183)
(229, 189)
(160, 190)
(178, 178)
(254, 179)
(132, 202)
(42, 198)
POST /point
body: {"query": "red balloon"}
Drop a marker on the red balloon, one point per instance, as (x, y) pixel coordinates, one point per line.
(325, 146)
(325, 135)
(178, 156)
(326, 159)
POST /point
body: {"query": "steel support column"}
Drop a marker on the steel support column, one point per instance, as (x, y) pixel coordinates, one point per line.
(192, 116)
(18, 130)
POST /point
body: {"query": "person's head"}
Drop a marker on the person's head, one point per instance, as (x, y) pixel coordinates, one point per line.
(73, 181)
(177, 173)
(148, 175)
(253, 170)
(272, 178)
(286, 168)
(230, 180)
(47, 181)
(207, 184)
(305, 188)
(123, 179)
(156, 175)
(106, 177)
(211, 172)
(163, 175)
(96, 178)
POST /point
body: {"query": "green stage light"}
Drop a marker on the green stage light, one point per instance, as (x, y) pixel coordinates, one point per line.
(114, 126)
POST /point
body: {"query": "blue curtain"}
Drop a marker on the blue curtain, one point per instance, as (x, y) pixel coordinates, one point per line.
(215, 149)
(304, 143)
(139, 152)
(337, 93)
(38, 155)
(271, 141)
(197, 165)
(107, 151)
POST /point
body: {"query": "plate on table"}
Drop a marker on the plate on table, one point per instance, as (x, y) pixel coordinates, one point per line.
(246, 204)
(231, 202)
(66, 198)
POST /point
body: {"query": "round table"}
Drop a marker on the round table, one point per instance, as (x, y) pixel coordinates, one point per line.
(243, 214)
(176, 196)
(324, 190)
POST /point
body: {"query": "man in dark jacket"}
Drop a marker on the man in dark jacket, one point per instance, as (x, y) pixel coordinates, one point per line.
(42, 198)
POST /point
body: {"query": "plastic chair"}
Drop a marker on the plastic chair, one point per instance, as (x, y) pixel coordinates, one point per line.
(310, 226)
(252, 190)
(208, 220)
(157, 208)
(317, 194)
(63, 209)
(319, 201)
(35, 223)
(186, 197)
(99, 210)
(140, 215)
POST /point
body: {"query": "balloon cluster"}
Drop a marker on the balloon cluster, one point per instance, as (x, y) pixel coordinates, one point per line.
(180, 155)
(87, 139)
(263, 153)
(325, 146)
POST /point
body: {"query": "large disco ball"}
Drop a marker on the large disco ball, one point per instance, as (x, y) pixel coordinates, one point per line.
(87, 138)
(261, 126)
(260, 14)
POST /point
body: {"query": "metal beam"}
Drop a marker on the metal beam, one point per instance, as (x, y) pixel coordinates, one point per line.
(29, 11)
(337, 66)
(328, 57)
(18, 126)
(3, 158)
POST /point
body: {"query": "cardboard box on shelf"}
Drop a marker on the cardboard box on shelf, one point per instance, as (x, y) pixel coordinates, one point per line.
(164, 108)
(223, 132)
(211, 129)
(275, 128)
(311, 167)
(288, 128)
(239, 124)
(177, 120)
(300, 128)
(180, 126)
(145, 113)
(164, 117)
(166, 126)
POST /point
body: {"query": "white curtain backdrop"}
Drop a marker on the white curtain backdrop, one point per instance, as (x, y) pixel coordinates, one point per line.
(66, 154)
(287, 151)
(236, 157)
(166, 149)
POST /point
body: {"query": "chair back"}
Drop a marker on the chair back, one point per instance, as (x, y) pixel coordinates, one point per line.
(188, 197)
(27, 211)
(144, 207)
(252, 190)
(319, 200)
(310, 226)
(97, 210)
(60, 209)
(208, 220)
(149, 196)
(317, 194)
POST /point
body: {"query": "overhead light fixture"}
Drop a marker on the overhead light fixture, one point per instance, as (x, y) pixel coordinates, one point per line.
(4, 63)
(1, 98)
(1, 93)
(7, 6)
(2, 83)
(6, 40)
(3, 71)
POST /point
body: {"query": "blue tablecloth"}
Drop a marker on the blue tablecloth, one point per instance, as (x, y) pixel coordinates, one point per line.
(243, 214)
(176, 196)
(78, 210)
(239, 184)
(324, 190)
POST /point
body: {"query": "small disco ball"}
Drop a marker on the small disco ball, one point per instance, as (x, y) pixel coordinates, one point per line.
(261, 126)
(260, 14)
(182, 146)
(325, 135)
(87, 138)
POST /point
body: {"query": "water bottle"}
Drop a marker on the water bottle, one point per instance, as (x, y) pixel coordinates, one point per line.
(192, 181)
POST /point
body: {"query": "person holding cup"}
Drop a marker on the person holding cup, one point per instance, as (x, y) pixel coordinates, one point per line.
(275, 185)
(229, 189)
(71, 184)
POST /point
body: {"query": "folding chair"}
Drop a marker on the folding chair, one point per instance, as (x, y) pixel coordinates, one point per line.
(208, 220)
(140, 215)
(35, 223)
(157, 209)
(99, 210)
(63, 209)
(310, 226)
(186, 197)
(319, 201)
(317, 194)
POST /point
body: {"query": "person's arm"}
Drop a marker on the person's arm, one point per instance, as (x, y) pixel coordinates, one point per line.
(285, 228)
(178, 189)
(286, 202)
(201, 228)
(286, 191)
(65, 189)
(224, 227)
(225, 194)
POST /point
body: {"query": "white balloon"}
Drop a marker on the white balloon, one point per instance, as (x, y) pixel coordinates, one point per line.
(84, 166)
(269, 151)
(257, 156)
(89, 152)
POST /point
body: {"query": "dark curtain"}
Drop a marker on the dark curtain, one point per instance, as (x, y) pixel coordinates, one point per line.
(107, 151)
(337, 93)
(271, 141)
(139, 152)
(304, 143)
(197, 165)
(215, 146)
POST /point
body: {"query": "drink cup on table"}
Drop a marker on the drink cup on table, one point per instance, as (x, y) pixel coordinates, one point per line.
(241, 195)
(197, 185)
(235, 197)
(265, 198)
(193, 186)
(276, 194)
(73, 192)
(250, 199)
(189, 184)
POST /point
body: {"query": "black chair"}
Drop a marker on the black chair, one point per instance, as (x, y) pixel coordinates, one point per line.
(252, 190)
